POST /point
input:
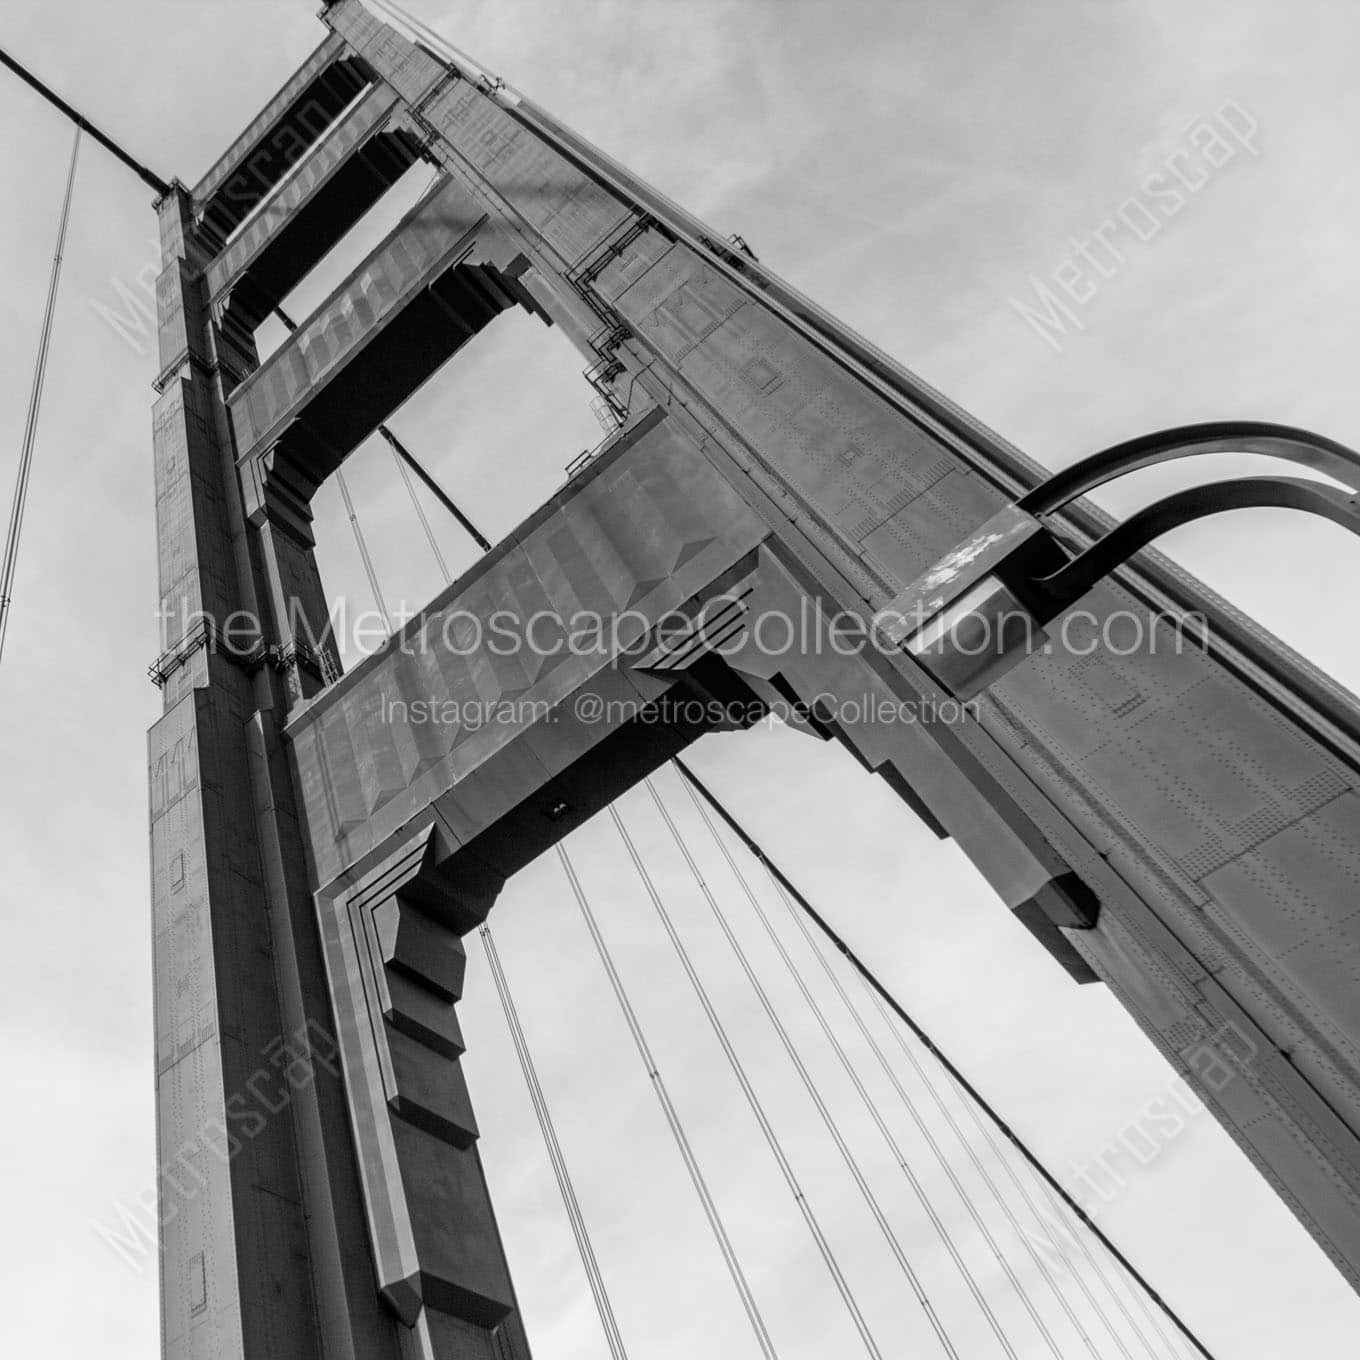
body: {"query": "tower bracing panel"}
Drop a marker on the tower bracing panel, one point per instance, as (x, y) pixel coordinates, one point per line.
(1179, 822)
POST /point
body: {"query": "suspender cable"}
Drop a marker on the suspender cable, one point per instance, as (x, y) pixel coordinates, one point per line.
(25, 470)
(1041, 1218)
(84, 125)
(911, 1108)
(363, 546)
(696, 1175)
(877, 1117)
(578, 1224)
(410, 460)
(739, 1071)
(1173, 1344)
(997, 1152)
(420, 513)
(871, 1106)
(944, 1111)
(851, 1162)
(933, 1048)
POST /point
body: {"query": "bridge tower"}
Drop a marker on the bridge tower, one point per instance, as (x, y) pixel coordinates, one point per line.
(1181, 823)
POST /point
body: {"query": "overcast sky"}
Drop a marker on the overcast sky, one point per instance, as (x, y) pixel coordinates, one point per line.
(918, 167)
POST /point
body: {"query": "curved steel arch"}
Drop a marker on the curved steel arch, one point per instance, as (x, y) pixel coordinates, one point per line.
(1070, 582)
(1299, 446)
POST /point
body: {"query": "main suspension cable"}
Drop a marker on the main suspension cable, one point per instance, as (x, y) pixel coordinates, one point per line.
(25, 469)
(589, 1261)
(739, 1071)
(933, 1048)
(668, 1109)
(851, 1162)
(83, 124)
